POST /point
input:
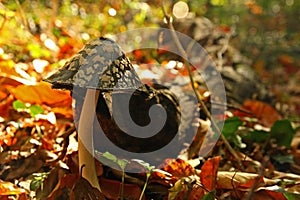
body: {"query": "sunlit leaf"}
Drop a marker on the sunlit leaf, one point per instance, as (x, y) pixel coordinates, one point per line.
(19, 105)
(42, 94)
(234, 180)
(37, 51)
(35, 110)
(8, 189)
(178, 168)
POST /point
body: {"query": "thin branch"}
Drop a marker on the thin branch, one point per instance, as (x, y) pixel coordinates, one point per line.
(23, 16)
(198, 95)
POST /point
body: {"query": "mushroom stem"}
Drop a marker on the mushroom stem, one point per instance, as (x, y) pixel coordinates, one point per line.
(85, 137)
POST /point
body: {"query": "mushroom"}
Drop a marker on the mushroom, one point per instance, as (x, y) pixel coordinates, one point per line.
(100, 66)
(102, 78)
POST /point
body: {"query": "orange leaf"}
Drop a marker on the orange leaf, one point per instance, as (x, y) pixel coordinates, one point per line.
(67, 112)
(9, 189)
(178, 168)
(42, 94)
(209, 170)
(4, 106)
(262, 111)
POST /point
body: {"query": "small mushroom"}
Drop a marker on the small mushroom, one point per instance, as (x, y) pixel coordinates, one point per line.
(100, 66)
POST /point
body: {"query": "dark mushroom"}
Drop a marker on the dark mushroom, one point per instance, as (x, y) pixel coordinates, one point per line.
(104, 76)
(100, 66)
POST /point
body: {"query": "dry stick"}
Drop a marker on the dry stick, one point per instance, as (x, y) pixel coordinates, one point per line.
(198, 95)
(85, 137)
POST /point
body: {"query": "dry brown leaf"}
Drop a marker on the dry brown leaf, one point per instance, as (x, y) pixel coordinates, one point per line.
(84, 190)
(195, 146)
(63, 187)
(24, 167)
(240, 180)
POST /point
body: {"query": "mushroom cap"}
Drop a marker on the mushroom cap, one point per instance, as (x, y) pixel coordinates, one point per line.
(101, 65)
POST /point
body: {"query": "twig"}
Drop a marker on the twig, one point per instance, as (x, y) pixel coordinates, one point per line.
(256, 181)
(198, 95)
(65, 145)
(23, 16)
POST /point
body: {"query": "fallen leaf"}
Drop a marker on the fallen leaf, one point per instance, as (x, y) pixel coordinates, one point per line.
(9, 189)
(195, 146)
(262, 111)
(63, 187)
(84, 190)
(42, 94)
(23, 167)
(112, 189)
(178, 168)
(186, 188)
(283, 132)
(239, 180)
(271, 192)
(4, 106)
(209, 170)
(51, 181)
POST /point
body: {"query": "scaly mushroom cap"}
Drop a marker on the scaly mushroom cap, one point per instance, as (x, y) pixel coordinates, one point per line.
(101, 65)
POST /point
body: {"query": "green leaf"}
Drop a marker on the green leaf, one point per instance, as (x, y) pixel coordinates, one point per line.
(35, 184)
(291, 196)
(111, 160)
(35, 110)
(283, 132)
(19, 105)
(231, 125)
(38, 180)
(257, 136)
(144, 164)
(122, 163)
(210, 196)
(109, 156)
